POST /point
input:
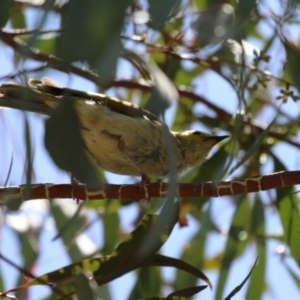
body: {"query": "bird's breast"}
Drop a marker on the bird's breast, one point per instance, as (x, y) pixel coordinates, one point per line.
(103, 129)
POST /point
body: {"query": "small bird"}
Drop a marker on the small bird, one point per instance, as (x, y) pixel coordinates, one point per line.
(120, 137)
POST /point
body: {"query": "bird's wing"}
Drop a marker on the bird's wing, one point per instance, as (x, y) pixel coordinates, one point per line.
(48, 86)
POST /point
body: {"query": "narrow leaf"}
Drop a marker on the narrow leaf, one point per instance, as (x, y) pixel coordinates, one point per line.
(165, 261)
(239, 287)
(83, 288)
(293, 59)
(237, 241)
(186, 293)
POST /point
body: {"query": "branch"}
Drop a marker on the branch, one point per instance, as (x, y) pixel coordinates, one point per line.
(159, 189)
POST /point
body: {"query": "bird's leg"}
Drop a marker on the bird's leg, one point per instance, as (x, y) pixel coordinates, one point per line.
(145, 178)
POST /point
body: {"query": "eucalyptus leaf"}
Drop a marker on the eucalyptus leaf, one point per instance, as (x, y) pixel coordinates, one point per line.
(96, 38)
(293, 61)
(5, 6)
(164, 92)
(83, 288)
(162, 12)
(65, 144)
(239, 287)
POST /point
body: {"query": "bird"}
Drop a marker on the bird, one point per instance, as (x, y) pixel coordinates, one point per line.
(120, 137)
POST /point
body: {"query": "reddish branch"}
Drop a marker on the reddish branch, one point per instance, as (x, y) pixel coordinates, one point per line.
(160, 189)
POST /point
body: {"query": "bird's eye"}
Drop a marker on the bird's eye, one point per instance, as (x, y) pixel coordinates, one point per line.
(196, 132)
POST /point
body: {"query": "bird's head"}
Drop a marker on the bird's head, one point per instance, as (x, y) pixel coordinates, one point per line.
(196, 144)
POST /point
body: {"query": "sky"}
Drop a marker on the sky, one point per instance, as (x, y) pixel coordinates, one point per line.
(35, 212)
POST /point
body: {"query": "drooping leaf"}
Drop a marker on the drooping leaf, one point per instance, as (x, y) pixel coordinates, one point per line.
(238, 238)
(149, 282)
(146, 239)
(186, 293)
(164, 92)
(287, 204)
(245, 8)
(83, 289)
(122, 260)
(257, 280)
(293, 59)
(161, 13)
(68, 225)
(288, 207)
(97, 39)
(239, 287)
(17, 17)
(195, 253)
(111, 223)
(5, 6)
(165, 261)
(65, 144)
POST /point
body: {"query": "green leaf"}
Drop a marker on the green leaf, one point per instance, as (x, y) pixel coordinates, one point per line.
(186, 293)
(171, 66)
(239, 287)
(185, 77)
(111, 224)
(195, 253)
(97, 39)
(257, 283)
(162, 228)
(149, 282)
(65, 144)
(237, 241)
(103, 292)
(164, 92)
(146, 239)
(83, 288)
(29, 250)
(45, 44)
(17, 17)
(165, 261)
(162, 12)
(5, 6)
(288, 207)
(293, 58)
(68, 226)
(29, 153)
(63, 227)
(14, 204)
(123, 259)
(245, 8)
(293, 274)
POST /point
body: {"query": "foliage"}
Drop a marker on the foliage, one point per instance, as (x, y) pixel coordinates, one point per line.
(159, 54)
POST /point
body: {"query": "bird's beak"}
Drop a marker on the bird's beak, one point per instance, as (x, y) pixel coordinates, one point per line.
(218, 139)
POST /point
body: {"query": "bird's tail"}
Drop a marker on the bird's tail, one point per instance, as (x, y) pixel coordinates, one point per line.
(35, 99)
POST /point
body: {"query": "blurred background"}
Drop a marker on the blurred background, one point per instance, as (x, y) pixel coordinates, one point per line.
(235, 66)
